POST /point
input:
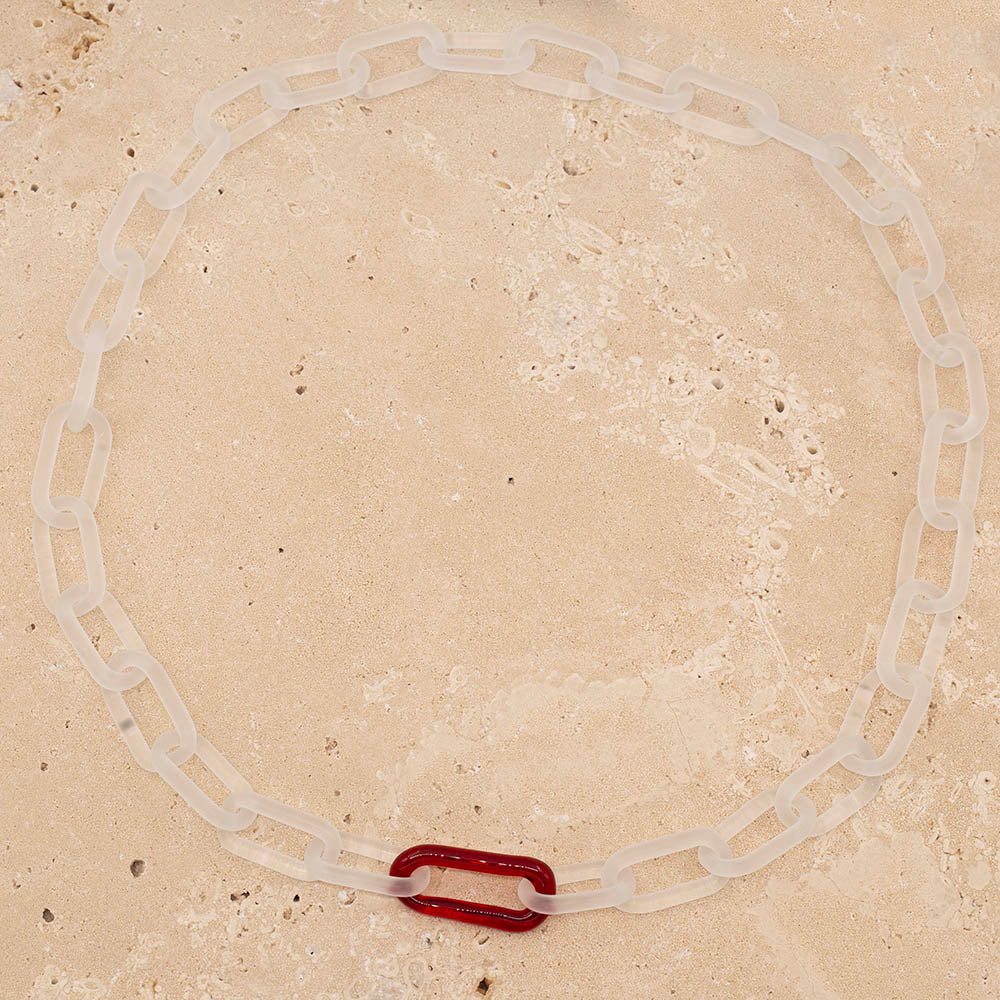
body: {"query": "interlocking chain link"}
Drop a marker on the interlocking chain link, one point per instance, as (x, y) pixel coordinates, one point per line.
(670, 93)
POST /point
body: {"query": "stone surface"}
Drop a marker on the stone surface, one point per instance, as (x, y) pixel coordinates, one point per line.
(497, 470)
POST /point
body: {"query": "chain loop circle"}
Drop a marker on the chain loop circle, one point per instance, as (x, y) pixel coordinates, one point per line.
(670, 92)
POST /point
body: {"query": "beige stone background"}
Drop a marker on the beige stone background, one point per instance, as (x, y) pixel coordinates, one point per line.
(497, 470)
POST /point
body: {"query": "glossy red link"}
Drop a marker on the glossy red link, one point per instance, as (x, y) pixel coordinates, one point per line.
(537, 872)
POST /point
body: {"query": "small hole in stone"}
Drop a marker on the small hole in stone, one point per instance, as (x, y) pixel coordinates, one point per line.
(130, 151)
(137, 868)
(47, 915)
(38, 22)
(779, 405)
(280, 549)
(300, 389)
(717, 382)
(45, 766)
(484, 986)
(34, 187)
(510, 479)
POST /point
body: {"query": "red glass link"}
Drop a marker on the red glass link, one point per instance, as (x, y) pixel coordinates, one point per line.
(537, 872)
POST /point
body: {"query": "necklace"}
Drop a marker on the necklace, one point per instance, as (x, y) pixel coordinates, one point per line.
(670, 93)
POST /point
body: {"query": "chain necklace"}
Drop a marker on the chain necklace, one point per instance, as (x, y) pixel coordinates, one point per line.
(670, 93)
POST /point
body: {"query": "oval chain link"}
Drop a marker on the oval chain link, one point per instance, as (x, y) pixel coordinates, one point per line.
(670, 93)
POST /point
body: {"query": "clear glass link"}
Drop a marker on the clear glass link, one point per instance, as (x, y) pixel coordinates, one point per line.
(307, 97)
(930, 453)
(349, 56)
(662, 100)
(82, 310)
(927, 279)
(208, 130)
(84, 647)
(970, 425)
(86, 382)
(847, 192)
(743, 817)
(167, 769)
(845, 745)
(107, 249)
(740, 135)
(701, 837)
(960, 518)
(97, 466)
(459, 62)
(199, 172)
(907, 729)
(80, 601)
(122, 664)
(522, 36)
(327, 836)
(618, 892)
(915, 320)
(892, 674)
(322, 870)
(797, 138)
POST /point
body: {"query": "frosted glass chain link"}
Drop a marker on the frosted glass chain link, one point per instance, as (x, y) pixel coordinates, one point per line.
(670, 93)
